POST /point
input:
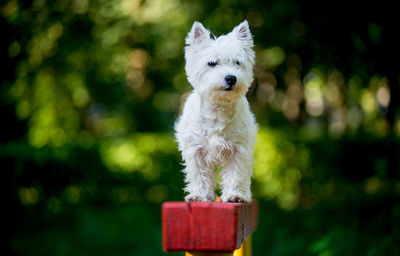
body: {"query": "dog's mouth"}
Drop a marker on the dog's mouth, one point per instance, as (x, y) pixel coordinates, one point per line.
(227, 88)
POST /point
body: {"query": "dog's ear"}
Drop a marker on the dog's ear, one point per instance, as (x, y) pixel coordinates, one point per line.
(243, 34)
(197, 35)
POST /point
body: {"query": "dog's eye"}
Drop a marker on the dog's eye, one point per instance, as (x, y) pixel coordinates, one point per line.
(237, 63)
(212, 63)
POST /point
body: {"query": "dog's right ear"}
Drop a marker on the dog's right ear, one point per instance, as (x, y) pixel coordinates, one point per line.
(197, 35)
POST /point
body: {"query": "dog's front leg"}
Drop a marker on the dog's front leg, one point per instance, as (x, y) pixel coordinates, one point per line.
(199, 178)
(236, 178)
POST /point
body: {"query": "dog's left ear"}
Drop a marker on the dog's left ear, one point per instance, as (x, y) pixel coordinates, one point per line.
(243, 34)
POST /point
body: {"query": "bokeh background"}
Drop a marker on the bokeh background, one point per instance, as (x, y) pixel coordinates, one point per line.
(90, 91)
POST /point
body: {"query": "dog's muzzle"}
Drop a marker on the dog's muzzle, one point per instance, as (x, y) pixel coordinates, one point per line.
(230, 81)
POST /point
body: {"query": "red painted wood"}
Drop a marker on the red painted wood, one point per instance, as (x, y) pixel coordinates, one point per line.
(199, 226)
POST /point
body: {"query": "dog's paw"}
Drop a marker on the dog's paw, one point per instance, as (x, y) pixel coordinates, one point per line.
(197, 198)
(236, 199)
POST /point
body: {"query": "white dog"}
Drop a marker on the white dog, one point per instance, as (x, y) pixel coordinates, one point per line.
(216, 128)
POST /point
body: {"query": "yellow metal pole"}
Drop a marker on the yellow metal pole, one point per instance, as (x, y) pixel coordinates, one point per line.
(244, 250)
(208, 254)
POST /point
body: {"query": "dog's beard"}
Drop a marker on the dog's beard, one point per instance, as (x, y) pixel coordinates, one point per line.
(219, 94)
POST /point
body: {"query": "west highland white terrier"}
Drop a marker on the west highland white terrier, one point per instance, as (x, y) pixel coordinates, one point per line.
(217, 129)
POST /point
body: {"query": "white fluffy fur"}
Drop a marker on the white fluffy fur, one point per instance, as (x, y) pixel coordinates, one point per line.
(217, 128)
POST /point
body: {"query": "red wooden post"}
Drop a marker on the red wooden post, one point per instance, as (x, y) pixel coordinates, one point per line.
(207, 227)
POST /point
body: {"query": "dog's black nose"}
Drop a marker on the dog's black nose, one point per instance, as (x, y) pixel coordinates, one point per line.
(230, 80)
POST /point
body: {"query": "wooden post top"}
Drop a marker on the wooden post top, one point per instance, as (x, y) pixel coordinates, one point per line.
(213, 227)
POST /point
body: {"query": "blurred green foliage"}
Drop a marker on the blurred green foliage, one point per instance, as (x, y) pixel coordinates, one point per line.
(90, 91)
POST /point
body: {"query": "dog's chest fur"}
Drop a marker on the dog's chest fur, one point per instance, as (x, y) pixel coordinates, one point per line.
(221, 133)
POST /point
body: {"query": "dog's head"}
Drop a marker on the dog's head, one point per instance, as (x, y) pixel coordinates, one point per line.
(220, 69)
